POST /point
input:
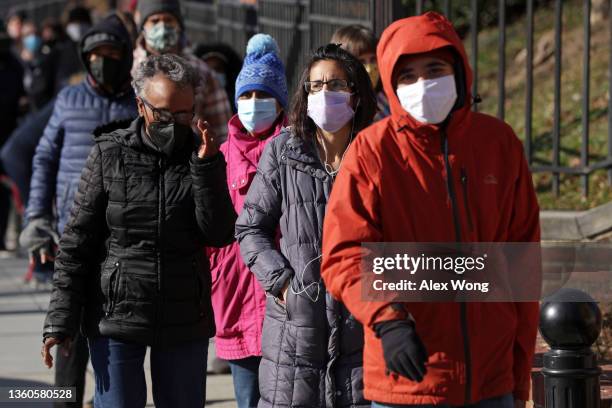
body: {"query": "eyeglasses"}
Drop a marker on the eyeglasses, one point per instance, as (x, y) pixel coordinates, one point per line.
(163, 115)
(334, 85)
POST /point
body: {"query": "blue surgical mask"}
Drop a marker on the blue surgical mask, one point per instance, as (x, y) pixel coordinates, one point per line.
(32, 43)
(257, 115)
(162, 37)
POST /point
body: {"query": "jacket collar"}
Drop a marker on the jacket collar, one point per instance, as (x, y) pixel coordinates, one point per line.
(244, 151)
(129, 134)
(302, 150)
(428, 137)
(302, 155)
(241, 142)
(93, 88)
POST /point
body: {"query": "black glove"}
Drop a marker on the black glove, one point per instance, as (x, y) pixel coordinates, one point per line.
(39, 237)
(403, 350)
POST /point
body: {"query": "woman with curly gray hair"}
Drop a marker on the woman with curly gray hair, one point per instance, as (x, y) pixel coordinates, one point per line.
(149, 199)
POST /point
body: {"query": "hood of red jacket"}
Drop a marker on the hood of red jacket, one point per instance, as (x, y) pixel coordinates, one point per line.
(417, 35)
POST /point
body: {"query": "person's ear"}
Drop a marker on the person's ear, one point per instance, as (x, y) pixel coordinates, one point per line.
(140, 106)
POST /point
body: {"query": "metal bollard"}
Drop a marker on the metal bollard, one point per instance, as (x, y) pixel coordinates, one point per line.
(570, 322)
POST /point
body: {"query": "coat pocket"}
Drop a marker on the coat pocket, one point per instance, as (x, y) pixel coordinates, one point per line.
(283, 305)
(276, 308)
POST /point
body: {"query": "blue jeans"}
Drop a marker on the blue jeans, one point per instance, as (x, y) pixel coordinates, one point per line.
(505, 401)
(246, 385)
(178, 374)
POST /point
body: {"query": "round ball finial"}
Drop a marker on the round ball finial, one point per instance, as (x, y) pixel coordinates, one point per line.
(570, 319)
(262, 44)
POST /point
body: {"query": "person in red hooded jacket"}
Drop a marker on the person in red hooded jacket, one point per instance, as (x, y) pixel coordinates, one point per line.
(405, 179)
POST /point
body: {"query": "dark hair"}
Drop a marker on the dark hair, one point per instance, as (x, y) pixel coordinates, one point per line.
(16, 12)
(76, 14)
(55, 26)
(302, 125)
(356, 39)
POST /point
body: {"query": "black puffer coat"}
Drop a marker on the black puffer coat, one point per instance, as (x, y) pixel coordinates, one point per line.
(312, 347)
(131, 253)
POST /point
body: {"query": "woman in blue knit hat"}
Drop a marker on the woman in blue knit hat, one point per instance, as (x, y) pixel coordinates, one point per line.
(312, 346)
(238, 300)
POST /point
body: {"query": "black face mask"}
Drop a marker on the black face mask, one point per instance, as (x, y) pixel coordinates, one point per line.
(107, 72)
(168, 137)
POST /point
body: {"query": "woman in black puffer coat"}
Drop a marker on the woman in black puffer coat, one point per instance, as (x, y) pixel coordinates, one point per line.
(312, 347)
(149, 200)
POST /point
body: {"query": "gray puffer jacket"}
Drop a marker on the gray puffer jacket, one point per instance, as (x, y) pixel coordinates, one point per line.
(311, 346)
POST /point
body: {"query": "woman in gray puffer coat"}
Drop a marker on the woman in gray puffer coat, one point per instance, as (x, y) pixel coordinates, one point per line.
(311, 346)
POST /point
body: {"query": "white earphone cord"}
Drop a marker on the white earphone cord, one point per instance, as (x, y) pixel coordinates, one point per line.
(328, 168)
(300, 278)
(304, 289)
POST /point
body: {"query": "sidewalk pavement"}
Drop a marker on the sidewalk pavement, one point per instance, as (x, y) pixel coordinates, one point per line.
(22, 311)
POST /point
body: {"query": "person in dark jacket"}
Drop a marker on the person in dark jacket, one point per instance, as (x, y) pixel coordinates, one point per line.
(17, 153)
(39, 66)
(163, 31)
(311, 346)
(131, 255)
(68, 61)
(224, 63)
(104, 96)
(11, 89)
(14, 22)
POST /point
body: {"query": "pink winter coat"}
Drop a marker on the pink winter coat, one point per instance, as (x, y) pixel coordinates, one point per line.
(238, 300)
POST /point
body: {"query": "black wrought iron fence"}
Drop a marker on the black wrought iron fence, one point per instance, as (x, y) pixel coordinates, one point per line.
(236, 23)
(201, 21)
(326, 16)
(287, 22)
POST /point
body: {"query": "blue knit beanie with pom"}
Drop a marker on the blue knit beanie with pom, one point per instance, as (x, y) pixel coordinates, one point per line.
(263, 70)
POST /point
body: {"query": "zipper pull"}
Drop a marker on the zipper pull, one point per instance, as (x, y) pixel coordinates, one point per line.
(466, 201)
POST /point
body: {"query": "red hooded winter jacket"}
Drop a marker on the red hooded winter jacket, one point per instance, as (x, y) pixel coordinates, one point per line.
(392, 188)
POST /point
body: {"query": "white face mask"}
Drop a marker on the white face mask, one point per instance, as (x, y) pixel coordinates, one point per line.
(76, 31)
(429, 100)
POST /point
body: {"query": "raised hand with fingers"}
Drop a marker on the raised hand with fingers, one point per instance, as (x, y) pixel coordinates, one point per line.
(209, 147)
